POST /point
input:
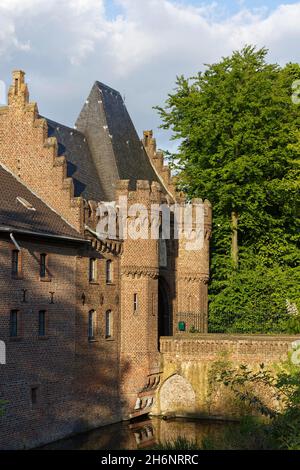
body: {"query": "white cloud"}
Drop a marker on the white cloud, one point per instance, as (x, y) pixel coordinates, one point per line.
(64, 45)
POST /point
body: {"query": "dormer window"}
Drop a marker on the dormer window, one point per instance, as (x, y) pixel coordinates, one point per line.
(26, 204)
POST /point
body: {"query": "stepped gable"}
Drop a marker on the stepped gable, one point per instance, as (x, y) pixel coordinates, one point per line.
(113, 141)
(80, 166)
(22, 210)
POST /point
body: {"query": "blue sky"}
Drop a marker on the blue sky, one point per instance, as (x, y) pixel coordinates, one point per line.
(135, 46)
(235, 5)
(228, 7)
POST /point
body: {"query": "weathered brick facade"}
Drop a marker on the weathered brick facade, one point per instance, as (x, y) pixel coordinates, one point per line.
(70, 379)
(189, 364)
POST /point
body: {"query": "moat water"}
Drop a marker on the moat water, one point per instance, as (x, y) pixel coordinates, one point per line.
(142, 434)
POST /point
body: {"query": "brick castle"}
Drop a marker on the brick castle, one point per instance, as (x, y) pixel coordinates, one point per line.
(81, 315)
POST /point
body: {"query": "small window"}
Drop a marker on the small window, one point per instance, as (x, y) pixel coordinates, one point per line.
(34, 395)
(109, 277)
(135, 303)
(43, 265)
(93, 270)
(42, 323)
(26, 203)
(14, 324)
(15, 262)
(91, 325)
(108, 324)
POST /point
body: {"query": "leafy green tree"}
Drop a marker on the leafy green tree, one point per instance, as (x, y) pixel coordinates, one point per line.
(238, 133)
(281, 407)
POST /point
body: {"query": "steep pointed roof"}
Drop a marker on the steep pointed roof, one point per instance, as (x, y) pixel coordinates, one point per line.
(114, 144)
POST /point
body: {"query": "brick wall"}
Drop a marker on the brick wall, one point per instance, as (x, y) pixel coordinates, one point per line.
(97, 368)
(46, 363)
(28, 153)
(77, 380)
(187, 364)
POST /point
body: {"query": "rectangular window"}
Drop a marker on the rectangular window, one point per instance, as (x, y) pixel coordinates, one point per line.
(93, 270)
(42, 323)
(43, 265)
(108, 324)
(34, 395)
(91, 325)
(109, 277)
(135, 303)
(15, 260)
(14, 324)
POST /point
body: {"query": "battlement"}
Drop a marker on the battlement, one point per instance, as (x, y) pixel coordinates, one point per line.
(144, 191)
(157, 160)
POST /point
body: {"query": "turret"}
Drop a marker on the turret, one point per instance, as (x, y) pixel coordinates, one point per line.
(139, 291)
(193, 272)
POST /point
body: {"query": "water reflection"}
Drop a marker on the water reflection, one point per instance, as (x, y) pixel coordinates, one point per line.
(143, 434)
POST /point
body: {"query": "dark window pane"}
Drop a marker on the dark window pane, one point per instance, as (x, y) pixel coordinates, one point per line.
(108, 324)
(42, 323)
(135, 302)
(14, 323)
(34, 391)
(15, 262)
(43, 258)
(91, 325)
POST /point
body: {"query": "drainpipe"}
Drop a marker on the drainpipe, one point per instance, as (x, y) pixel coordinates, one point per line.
(15, 242)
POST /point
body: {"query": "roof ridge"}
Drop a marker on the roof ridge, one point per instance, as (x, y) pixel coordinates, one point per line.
(107, 87)
(37, 196)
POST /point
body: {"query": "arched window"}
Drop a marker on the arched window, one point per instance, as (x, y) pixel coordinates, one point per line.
(109, 276)
(108, 324)
(91, 325)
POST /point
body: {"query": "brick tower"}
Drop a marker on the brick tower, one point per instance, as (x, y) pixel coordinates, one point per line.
(139, 293)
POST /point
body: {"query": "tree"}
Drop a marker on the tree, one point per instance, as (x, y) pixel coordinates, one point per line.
(280, 402)
(239, 147)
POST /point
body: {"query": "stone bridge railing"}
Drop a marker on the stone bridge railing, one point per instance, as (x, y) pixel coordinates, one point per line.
(186, 385)
(209, 347)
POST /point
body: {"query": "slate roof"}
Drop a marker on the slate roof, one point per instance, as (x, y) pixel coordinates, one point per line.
(113, 141)
(15, 216)
(80, 166)
(103, 147)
